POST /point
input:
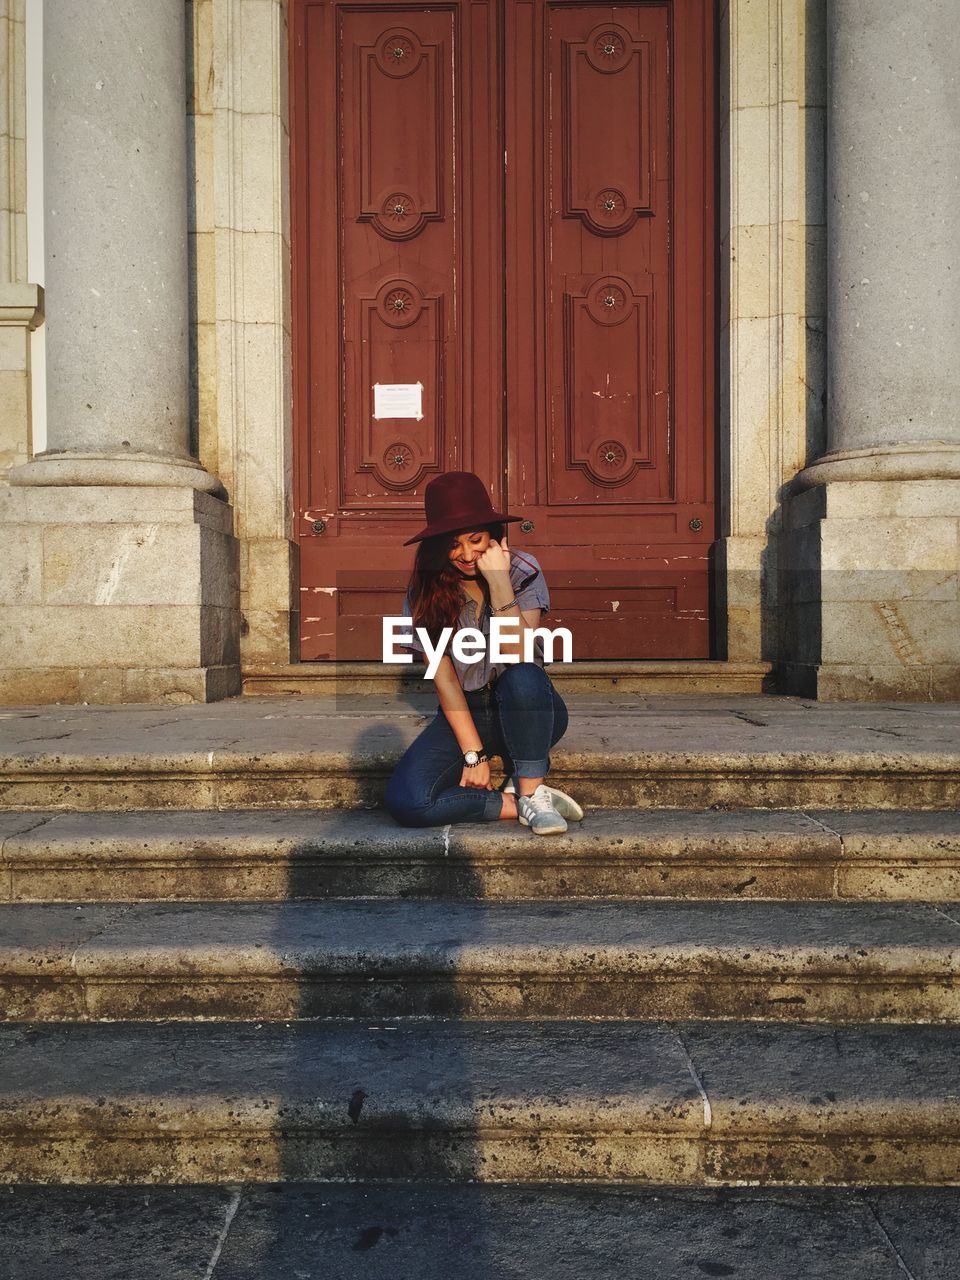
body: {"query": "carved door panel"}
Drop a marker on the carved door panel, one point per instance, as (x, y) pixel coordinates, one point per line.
(610, 316)
(398, 279)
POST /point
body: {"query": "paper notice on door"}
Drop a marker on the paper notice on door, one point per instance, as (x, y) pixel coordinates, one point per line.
(398, 400)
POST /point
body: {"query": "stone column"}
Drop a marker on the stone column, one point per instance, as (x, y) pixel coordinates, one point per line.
(131, 588)
(115, 191)
(893, 136)
(873, 546)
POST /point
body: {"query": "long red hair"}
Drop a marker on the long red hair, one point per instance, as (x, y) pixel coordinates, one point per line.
(435, 590)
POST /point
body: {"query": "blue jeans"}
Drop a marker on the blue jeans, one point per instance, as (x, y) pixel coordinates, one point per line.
(519, 719)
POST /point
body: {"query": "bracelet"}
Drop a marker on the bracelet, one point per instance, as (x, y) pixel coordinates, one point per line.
(502, 608)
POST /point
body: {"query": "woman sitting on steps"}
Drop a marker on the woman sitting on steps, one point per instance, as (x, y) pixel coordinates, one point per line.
(465, 573)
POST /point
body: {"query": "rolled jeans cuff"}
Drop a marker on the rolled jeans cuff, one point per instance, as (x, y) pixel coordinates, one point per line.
(493, 806)
(531, 768)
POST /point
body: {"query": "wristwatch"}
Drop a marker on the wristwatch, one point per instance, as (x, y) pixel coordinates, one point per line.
(470, 758)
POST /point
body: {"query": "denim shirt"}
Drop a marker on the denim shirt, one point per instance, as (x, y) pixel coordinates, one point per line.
(530, 588)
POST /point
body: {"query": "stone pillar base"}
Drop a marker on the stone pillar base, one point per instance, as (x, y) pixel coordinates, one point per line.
(117, 594)
(870, 591)
(70, 468)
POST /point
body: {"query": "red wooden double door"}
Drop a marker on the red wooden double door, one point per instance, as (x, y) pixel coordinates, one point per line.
(504, 246)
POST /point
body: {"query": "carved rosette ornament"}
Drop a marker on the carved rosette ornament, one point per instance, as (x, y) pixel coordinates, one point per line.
(398, 217)
(399, 53)
(397, 458)
(398, 467)
(611, 211)
(399, 303)
(610, 463)
(608, 302)
(609, 48)
(611, 454)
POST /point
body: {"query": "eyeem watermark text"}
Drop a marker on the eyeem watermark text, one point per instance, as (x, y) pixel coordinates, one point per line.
(469, 644)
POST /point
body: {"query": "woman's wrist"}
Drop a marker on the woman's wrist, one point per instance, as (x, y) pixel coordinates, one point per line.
(501, 589)
(504, 608)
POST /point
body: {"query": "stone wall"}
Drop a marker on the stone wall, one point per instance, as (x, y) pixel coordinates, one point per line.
(772, 303)
(243, 345)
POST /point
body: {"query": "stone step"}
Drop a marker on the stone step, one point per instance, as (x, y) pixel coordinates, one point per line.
(836, 962)
(479, 1232)
(313, 679)
(294, 854)
(689, 1103)
(621, 751)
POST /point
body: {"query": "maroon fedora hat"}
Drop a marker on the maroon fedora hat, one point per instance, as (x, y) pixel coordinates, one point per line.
(458, 500)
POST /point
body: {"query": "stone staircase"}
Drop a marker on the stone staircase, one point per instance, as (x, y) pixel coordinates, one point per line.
(200, 986)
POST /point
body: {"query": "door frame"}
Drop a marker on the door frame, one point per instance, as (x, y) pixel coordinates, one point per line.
(769, 119)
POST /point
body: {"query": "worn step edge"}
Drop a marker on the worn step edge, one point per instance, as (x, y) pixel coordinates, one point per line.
(341, 678)
(222, 779)
(265, 855)
(792, 961)
(648, 1103)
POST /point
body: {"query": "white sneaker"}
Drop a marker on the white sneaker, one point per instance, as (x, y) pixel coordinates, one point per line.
(537, 813)
(565, 805)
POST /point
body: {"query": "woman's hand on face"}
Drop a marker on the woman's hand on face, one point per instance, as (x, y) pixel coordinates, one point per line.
(477, 776)
(496, 559)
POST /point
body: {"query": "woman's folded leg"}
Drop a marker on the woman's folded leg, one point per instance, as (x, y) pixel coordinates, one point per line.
(424, 790)
(532, 717)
